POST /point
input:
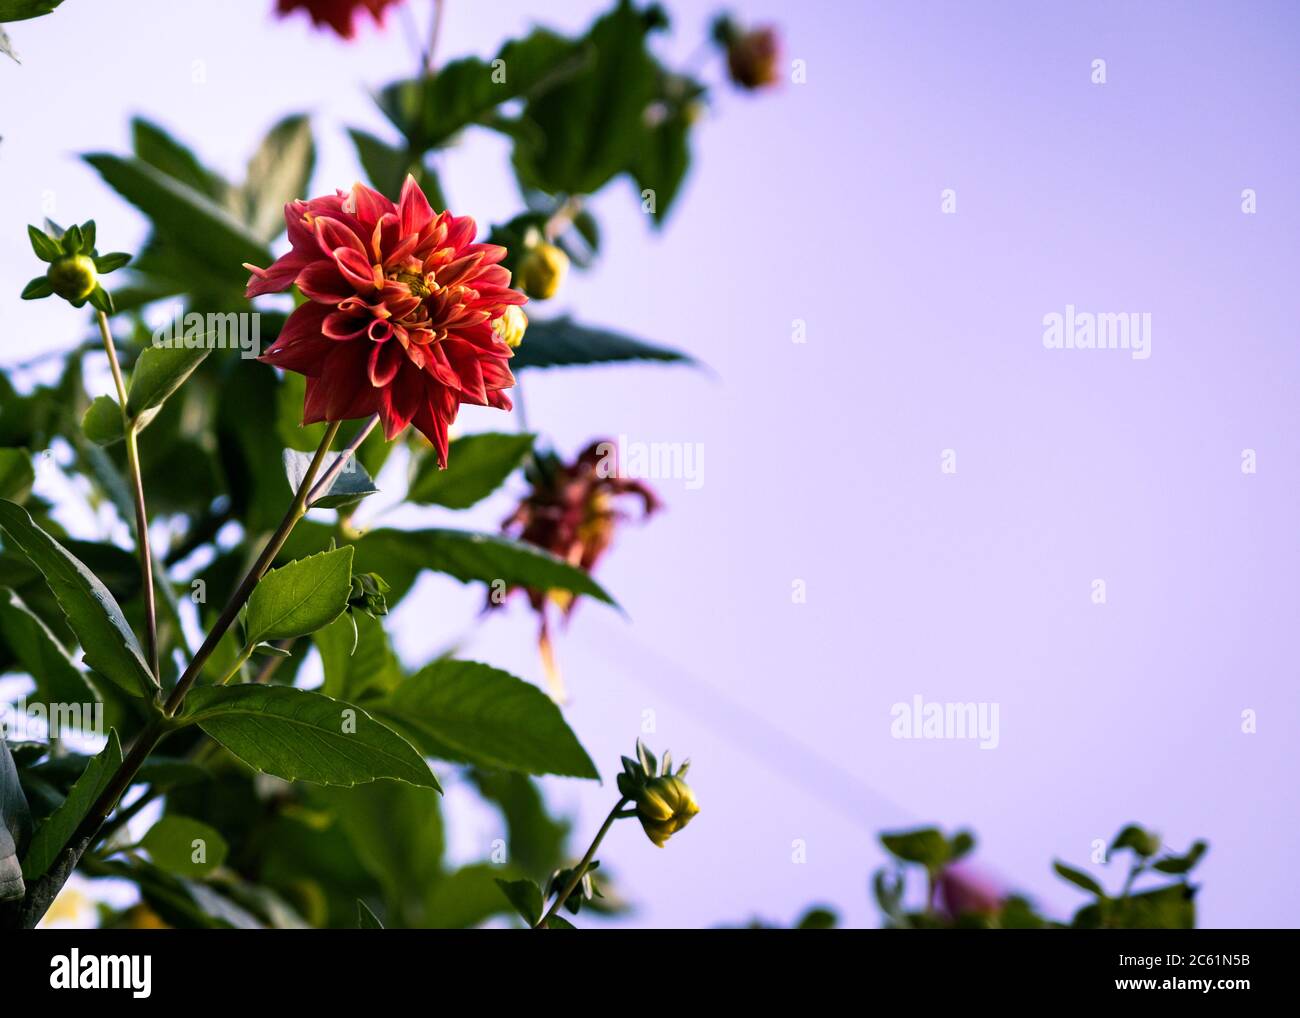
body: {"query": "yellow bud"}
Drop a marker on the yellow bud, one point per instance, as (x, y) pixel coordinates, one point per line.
(542, 269)
(664, 806)
(73, 277)
(510, 327)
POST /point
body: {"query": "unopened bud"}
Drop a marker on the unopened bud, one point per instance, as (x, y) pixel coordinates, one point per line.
(542, 269)
(73, 277)
(510, 327)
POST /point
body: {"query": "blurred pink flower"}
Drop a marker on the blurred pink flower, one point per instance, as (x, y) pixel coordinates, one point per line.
(965, 891)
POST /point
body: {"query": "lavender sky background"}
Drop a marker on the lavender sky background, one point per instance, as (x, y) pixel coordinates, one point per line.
(821, 202)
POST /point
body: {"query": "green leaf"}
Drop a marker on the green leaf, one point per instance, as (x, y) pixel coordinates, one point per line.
(38, 288)
(357, 658)
(558, 922)
(185, 217)
(367, 920)
(7, 48)
(300, 735)
(471, 712)
(1180, 864)
(111, 262)
(476, 466)
(54, 833)
(592, 123)
(159, 372)
(300, 598)
(1145, 843)
(398, 555)
(102, 421)
(277, 174)
(46, 247)
(58, 679)
(351, 485)
(21, 10)
(185, 846)
(16, 473)
(817, 918)
(525, 896)
(387, 168)
(108, 644)
(430, 110)
(397, 833)
(15, 827)
(163, 152)
(561, 342)
(536, 840)
(926, 846)
(1079, 879)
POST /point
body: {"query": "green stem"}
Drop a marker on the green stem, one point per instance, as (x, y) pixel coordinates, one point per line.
(297, 510)
(563, 896)
(137, 485)
(244, 655)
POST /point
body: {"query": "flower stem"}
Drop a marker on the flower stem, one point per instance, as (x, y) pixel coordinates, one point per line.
(297, 510)
(137, 484)
(563, 896)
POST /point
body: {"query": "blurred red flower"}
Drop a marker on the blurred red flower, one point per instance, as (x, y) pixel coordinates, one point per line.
(340, 15)
(966, 891)
(753, 56)
(400, 314)
(573, 512)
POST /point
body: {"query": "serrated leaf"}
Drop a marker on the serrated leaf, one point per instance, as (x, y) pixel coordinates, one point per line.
(351, 485)
(300, 598)
(107, 642)
(562, 342)
(471, 712)
(54, 833)
(159, 372)
(297, 735)
(185, 846)
(476, 466)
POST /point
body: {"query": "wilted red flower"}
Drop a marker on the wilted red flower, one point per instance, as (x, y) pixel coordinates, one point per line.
(573, 512)
(400, 311)
(340, 15)
(752, 57)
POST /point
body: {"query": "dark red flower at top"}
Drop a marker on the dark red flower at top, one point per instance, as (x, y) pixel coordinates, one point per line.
(403, 316)
(573, 512)
(340, 15)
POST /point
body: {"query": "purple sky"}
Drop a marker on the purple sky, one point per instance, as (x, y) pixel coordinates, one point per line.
(822, 202)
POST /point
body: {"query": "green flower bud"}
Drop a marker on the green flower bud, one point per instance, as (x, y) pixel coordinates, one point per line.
(665, 805)
(73, 277)
(541, 270)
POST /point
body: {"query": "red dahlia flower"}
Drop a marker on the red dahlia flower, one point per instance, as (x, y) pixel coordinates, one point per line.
(401, 311)
(340, 15)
